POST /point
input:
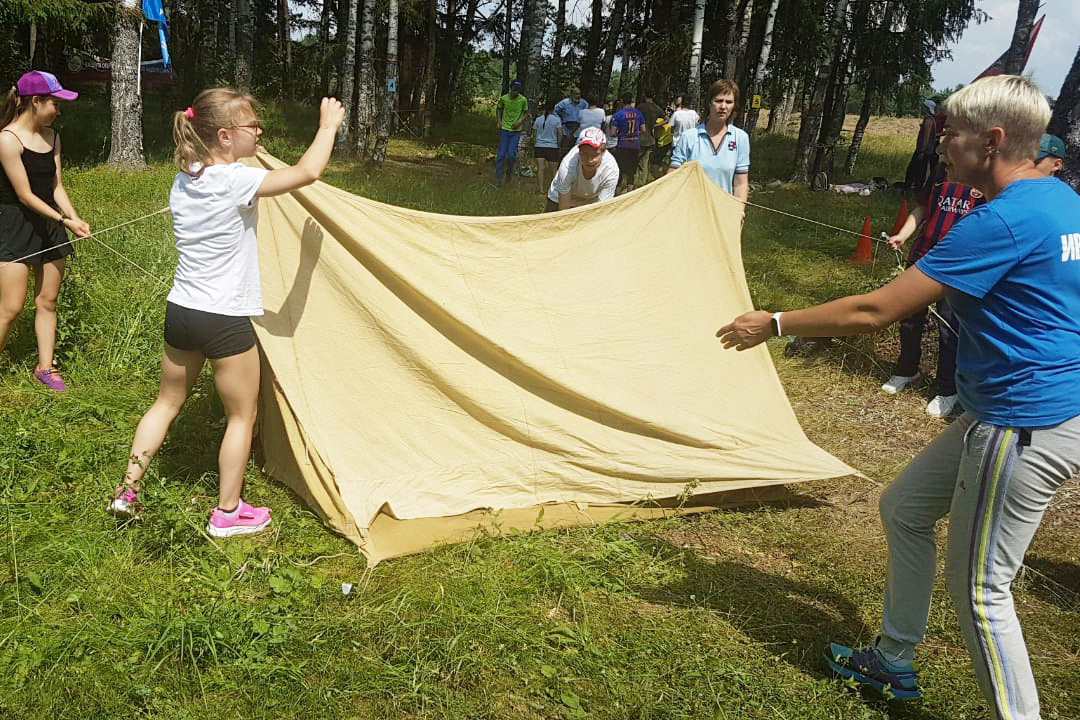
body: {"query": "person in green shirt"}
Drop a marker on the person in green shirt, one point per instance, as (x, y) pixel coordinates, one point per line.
(511, 113)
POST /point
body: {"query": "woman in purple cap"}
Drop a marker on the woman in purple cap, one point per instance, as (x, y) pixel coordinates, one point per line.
(34, 211)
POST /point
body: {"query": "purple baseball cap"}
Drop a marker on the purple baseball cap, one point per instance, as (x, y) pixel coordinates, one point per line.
(38, 82)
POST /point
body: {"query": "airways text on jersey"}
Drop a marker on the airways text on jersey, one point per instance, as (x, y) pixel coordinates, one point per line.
(1070, 247)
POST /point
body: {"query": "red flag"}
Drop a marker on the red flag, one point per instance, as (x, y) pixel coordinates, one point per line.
(998, 66)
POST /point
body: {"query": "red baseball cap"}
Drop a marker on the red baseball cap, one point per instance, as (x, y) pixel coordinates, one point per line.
(39, 82)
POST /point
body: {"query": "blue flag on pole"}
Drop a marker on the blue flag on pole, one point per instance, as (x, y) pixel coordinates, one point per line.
(153, 10)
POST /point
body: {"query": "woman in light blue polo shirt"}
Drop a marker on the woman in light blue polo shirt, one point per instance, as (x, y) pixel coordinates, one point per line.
(722, 149)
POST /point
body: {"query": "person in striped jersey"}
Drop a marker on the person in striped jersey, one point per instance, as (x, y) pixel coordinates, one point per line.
(1011, 271)
(941, 204)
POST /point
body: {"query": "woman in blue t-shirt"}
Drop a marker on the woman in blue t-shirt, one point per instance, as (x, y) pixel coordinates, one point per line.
(547, 128)
(1011, 272)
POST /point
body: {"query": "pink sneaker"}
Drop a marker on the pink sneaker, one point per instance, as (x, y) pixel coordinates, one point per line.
(51, 378)
(125, 503)
(242, 521)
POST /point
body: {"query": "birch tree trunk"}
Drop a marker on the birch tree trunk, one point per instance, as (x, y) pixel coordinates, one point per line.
(429, 66)
(533, 22)
(1065, 123)
(126, 150)
(243, 45)
(208, 61)
(508, 29)
(343, 144)
(556, 78)
(732, 14)
(364, 106)
(1016, 58)
(694, 84)
(389, 98)
(285, 46)
(860, 129)
(759, 71)
(324, 45)
(618, 11)
(624, 73)
(589, 85)
(811, 120)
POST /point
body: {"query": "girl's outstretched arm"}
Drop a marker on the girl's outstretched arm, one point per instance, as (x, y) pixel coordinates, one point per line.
(77, 225)
(308, 169)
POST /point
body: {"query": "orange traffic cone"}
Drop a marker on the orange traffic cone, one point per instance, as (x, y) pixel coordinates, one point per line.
(863, 249)
(900, 218)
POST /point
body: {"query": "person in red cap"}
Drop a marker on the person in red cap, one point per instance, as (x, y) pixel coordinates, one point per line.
(587, 174)
(34, 212)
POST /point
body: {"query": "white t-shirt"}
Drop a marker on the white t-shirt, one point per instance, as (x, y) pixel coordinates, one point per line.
(612, 141)
(589, 117)
(682, 120)
(547, 129)
(569, 179)
(214, 218)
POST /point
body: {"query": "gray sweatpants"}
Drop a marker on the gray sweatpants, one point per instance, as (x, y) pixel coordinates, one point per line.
(994, 483)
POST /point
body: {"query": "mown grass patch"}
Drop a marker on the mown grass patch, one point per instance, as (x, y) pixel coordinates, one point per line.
(719, 616)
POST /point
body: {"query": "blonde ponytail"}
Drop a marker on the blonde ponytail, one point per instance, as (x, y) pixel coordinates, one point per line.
(195, 129)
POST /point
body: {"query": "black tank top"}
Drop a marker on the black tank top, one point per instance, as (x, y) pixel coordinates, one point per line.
(40, 171)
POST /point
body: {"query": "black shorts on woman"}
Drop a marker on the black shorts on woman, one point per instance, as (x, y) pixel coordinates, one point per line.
(212, 335)
(26, 236)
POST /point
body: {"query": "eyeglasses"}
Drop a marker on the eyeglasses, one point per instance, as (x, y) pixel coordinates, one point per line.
(253, 127)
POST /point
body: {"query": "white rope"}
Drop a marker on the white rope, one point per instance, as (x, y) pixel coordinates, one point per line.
(883, 239)
(87, 237)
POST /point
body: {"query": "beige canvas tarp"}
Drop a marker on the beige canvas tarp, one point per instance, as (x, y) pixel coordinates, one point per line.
(422, 369)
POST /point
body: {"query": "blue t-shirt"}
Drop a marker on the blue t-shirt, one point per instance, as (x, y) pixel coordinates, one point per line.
(720, 164)
(547, 129)
(1015, 263)
(569, 110)
(629, 122)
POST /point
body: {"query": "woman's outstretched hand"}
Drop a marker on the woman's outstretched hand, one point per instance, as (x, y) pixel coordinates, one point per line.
(747, 330)
(331, 114)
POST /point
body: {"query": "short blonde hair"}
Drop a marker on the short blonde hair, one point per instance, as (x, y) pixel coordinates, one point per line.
(1012, 102)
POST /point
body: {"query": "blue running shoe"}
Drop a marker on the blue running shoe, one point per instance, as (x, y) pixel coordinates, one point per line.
(865, 666)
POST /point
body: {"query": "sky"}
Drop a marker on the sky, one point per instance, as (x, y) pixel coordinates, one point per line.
(981, 44)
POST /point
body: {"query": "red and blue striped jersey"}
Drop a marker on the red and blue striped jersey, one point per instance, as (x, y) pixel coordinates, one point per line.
(945, 202)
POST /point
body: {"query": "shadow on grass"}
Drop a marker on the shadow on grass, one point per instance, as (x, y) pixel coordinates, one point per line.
(791, 619)
(1054, 582)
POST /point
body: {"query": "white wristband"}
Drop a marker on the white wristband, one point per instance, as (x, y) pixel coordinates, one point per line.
(776, 323)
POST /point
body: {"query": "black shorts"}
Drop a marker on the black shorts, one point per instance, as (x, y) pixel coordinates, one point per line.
(215, 336)
(549, 154)
(551, 206)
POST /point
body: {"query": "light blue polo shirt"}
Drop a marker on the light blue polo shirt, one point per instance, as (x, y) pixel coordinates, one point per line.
(1015, 264)
(721, 165)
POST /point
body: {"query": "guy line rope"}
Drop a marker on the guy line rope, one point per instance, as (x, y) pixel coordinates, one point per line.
(166, 209)
(100, 242)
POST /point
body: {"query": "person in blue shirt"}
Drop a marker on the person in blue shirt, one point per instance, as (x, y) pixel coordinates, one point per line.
(547, 129)
(722, 149)
(1011, 272)
(628, 124)
(568, 110)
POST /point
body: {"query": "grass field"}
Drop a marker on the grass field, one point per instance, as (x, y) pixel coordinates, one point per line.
(719, 616)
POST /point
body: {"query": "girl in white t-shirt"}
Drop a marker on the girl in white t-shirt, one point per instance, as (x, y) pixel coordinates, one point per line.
(216, 288)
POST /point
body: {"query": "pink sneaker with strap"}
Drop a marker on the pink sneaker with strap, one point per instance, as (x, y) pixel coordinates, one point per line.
(242, 521)
(125, 503)
(51, 378)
